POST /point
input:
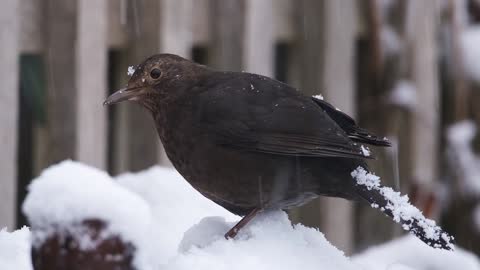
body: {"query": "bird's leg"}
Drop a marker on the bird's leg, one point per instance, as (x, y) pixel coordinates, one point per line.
(233, 231)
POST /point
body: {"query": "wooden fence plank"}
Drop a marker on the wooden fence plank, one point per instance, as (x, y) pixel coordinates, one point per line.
(227, 28)
(338, 81)
(201, 29)
(117, 23)
(61, 86)
(9, 35)
(143, 143)
(31, 25)
(259, 37)
(91, 67)
(425, 77)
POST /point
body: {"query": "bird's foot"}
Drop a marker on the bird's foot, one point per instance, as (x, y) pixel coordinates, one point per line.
(234, 231)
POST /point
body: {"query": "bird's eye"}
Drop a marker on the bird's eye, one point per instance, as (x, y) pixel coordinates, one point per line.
(155, 73)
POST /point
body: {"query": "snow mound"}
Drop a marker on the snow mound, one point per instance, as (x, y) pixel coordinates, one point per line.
(409, 253)
(70, 192)
(174, 227)
(175, 206)
(268, 242)
(15, 249)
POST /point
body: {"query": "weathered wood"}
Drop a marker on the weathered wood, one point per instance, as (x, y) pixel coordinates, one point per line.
(259, 37)
(424, 70)
(305, 74)
(9, 56)
(374, 79)
(91, 67)
(338, 82)
(177, 27)
(61, 82)
(201, 29)
(227, 21)
(307, 46)
(283, 20)
(176, 37)
(32, 13)
(144, 33)
(117, 23)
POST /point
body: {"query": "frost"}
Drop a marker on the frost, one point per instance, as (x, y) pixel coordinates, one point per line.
(365, 151)
(130, 70)
(366, 179)
(400, 207)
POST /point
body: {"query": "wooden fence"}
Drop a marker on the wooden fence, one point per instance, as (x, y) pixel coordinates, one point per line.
(332, 47)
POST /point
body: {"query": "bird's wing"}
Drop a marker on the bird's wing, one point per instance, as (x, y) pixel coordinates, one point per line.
(353, 131)
(263, 115)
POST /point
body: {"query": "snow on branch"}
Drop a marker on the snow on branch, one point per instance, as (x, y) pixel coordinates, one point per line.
(400, 209)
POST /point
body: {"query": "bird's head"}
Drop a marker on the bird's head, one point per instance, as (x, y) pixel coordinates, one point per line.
(159, 76)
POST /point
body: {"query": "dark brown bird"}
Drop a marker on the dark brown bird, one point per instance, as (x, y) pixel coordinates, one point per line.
(250, 143)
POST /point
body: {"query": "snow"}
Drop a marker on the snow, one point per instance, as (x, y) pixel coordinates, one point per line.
(71, 192)
(365, 150)
(465, 162)
(408, 252)
(15, 249)
(130, 70)
(319, 96)
(470, 43)
(269, 242)
(174, 227)
(402, 210)
(404, 94)
(175, 207)
(390, 40)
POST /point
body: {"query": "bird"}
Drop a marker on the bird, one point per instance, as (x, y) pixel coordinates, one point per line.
(251, 143)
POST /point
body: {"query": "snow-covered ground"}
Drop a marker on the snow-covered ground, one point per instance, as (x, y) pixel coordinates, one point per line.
(174, 227)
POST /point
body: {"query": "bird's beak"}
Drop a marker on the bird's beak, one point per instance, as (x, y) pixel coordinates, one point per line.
(122, 95)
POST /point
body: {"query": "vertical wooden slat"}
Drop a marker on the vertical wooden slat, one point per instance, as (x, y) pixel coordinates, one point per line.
(31, 24)
(305, 74)
(259, 37)
(201, 29)
(91, 65)
(338, 78)
(308, 45)
(177, 27)
(61, 82)
(117, 23)
(227, 24)
(176, 37)
(9, 28)
(283, 19)
(424, 70)
(142, 145)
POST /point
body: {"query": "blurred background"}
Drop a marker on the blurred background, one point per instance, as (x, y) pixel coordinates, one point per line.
(405, 69)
